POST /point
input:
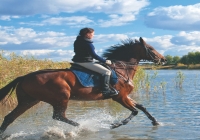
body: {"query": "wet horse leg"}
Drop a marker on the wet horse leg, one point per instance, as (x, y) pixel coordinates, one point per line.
(59, 113)
(129, 104)
(21, 108)
(24, 103)
(141, 107)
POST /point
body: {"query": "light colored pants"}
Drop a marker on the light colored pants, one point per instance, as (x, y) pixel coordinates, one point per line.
(95, 67)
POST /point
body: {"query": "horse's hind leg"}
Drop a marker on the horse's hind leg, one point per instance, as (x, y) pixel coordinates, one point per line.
(141, 107)
(59, 113)
(21, 108)
(24, 103)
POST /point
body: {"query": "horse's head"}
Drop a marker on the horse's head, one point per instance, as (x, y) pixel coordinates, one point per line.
(147, 52)
(137, 50)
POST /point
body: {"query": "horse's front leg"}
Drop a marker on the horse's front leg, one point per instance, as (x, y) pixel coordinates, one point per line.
(129, 104)
(141, 107)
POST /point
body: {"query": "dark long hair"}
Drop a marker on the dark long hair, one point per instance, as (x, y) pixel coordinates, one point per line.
(84, 31)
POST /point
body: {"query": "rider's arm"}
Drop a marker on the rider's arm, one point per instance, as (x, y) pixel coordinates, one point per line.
(94, 55)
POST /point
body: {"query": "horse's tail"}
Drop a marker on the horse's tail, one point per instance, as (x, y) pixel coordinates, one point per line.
(9, 87)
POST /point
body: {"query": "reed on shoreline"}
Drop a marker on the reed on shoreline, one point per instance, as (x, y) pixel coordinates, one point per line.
(177, 66)
(14, 66)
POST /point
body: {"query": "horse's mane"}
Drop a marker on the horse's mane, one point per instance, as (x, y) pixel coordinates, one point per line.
(120, 51)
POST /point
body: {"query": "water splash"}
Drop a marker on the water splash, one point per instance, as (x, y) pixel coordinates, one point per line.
(90, 123)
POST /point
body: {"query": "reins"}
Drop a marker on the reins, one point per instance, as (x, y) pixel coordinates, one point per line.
(123, 65)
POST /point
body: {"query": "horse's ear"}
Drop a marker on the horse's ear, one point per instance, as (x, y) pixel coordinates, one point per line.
(137, 41)
(141, 40)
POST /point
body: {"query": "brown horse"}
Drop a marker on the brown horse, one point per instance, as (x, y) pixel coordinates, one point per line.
(58, 86)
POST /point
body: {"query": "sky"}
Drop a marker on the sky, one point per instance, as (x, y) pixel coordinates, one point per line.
(46, 29)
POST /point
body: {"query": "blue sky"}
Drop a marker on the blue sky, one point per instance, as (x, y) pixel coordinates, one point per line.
(46, 29)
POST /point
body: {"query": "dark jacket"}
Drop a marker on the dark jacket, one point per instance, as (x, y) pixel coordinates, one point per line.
(84, 51)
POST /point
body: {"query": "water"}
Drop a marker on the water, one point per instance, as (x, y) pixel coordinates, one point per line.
(177, 109)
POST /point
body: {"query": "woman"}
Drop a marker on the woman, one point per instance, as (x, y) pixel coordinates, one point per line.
(84, 55)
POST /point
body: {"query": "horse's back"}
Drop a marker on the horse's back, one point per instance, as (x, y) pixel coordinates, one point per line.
(54, 85)
(48, 85)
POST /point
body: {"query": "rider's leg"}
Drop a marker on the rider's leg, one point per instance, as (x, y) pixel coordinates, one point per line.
(106, 76)
(105, 86)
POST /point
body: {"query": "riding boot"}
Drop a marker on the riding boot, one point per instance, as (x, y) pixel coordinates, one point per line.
(106, 90)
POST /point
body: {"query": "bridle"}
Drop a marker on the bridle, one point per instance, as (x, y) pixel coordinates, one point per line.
(131, 65)
(151, 54)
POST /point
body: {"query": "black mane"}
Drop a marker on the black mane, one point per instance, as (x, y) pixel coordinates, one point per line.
(120, 51)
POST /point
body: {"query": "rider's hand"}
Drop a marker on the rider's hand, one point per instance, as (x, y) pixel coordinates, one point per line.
(108, 62)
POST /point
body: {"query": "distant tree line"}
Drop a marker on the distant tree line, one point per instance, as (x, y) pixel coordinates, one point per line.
(190, 58)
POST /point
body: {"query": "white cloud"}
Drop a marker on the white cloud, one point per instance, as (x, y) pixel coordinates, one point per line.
(117, 20)
(5, 18)
(36, 52)
(175, 17)
(71, 21)
(102, 38)
(187, 38)
(180, 50)
(54, 7)
(31, 23)
(27, 38)
(56, 55)
(52, 45)
(160, 42)
(120, 12)
(8, 18)
(168, 46)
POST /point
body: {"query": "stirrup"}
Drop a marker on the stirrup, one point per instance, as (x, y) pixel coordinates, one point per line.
(108, 92)
(116, 91)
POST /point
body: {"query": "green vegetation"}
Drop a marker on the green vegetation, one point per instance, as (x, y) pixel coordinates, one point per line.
(144, 81)
(14, 66)
(179, 79)
(190, 58)
(177, 66)
(172, 60)
(189, 61)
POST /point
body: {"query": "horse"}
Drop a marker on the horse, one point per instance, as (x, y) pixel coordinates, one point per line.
(57, 86)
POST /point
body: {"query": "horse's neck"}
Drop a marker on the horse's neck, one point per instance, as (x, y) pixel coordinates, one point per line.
(131, 71)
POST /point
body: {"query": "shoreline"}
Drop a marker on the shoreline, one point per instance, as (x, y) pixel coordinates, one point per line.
(174, 67)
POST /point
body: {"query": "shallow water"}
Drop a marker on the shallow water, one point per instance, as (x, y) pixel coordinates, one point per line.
(177, 109)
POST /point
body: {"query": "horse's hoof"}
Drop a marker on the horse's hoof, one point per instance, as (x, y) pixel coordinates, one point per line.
(1, 132)
(76, 124)
(115, 125)
(155, 123)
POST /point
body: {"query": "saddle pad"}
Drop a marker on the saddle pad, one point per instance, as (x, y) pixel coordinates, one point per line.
(92, 79)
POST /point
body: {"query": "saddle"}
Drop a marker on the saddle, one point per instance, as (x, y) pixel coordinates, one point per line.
(89, 78)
